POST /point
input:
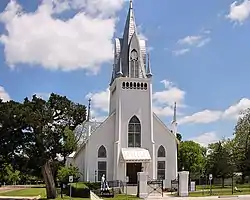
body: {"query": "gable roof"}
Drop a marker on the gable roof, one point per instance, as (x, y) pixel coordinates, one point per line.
(164, 125)
(84, 144)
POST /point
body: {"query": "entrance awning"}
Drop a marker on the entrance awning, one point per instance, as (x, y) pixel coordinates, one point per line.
(135, 155)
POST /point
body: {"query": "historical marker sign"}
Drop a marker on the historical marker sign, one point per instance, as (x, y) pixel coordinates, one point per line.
(71, 179)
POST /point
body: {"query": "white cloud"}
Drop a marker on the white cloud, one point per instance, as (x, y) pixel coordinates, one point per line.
(234, 111)
(42, 95)
(4, 95)
(141, 35)
(239, 12)
(187, 43)
(100, 100)
(203, 42)
(208, 116)
(181, 52)
(194, 40)
(169, 95)
(206, 138)
(39, 38)
(163, 101)
(99, 104)
(190, 40)
(163, 111)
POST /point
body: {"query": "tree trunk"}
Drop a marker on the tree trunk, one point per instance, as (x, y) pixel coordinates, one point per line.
(243, 178)
(223, 182)
(49, 181)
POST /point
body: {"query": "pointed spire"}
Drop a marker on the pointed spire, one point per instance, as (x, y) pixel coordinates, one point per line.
(88, 116)
(174, 117)
(130, 26)
(119, 73)
(149, 73)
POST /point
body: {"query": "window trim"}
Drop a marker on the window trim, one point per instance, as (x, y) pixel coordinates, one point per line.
(99, 153)
(134, 134)
(161, 153)
(102, 171)
(161, 170)
(134, 65)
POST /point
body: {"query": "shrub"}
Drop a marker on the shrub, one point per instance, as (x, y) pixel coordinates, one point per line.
(93, 185)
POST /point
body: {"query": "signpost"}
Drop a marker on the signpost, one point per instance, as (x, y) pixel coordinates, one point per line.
(127, 180)
(71, 180)
(210, 181)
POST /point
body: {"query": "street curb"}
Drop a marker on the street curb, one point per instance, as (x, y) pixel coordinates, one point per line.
(229, 196)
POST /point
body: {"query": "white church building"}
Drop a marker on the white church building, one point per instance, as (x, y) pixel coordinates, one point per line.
(132, 138)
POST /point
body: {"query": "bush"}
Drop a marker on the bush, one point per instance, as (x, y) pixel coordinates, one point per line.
(93, 185)
(77, 192)
(64, 173)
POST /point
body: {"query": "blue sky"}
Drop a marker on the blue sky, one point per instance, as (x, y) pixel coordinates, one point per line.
(199, 55)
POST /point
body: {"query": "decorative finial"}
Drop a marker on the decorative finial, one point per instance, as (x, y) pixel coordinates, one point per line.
(174, 117)
(131, 4)
(89, 106)
(119, 73)
(149, 73)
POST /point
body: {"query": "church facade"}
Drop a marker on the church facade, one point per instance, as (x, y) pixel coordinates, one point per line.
(132, 138)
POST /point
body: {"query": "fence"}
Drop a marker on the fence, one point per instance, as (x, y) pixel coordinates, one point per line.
(219, 187)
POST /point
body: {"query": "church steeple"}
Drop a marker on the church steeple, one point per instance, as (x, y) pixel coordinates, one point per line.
(174, 122)
(130, 51)
(130, 26)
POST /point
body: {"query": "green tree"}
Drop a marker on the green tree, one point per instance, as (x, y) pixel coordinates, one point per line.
(47, 126)
(191, 157)
(64, 173)
(69, 143)
(220, 160)
(179, 137)
(9, 175)
(12, 139)
(242, 144)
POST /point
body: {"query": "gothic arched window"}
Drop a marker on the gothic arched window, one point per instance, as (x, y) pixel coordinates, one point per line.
(102, 153)
(134, 63)
(161, 163)
(161, 152)
(161, 169)
(134, 132)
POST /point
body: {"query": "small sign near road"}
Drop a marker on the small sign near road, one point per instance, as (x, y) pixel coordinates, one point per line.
(71, 179)
(210, 177)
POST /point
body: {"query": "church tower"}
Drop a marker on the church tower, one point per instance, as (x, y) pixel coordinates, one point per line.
(131, 93)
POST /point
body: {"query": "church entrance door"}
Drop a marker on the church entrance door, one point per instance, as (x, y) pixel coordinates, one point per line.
(132, 169)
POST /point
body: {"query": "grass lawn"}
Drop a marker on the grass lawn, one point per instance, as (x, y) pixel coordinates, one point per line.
(30, 192)
(123, 197)
(207, 187)
(219, 191)
(26, 192)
